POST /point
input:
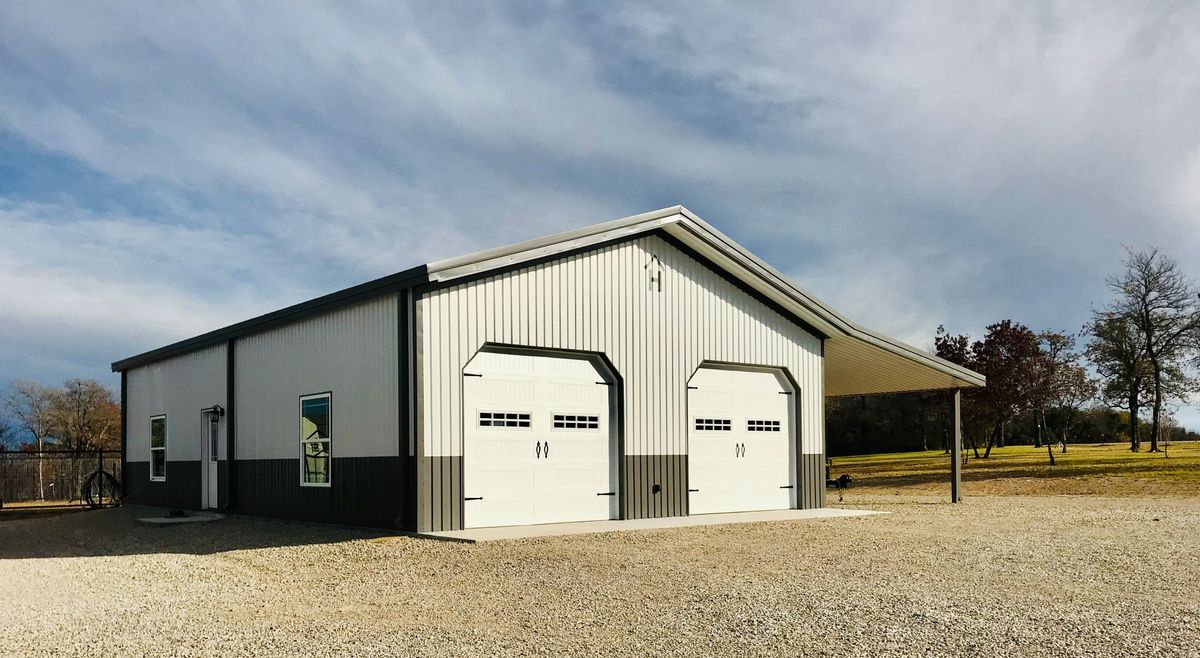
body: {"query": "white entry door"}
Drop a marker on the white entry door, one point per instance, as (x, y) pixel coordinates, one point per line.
(537, 441)
(211, 435)
(741, 445)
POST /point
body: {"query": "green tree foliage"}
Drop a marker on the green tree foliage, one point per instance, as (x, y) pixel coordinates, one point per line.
(897, 422)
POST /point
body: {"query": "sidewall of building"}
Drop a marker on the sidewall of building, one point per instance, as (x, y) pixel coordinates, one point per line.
(352, 354)
(178, 388)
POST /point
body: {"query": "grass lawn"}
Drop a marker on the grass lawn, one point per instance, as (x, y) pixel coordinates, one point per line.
(1096, 469)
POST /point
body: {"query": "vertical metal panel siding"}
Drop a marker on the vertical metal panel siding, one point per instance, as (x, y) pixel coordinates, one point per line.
(178, 387)
(351, 352)
(602, 301)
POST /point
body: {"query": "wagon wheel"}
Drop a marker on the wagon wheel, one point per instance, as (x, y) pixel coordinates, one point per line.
(101, 489)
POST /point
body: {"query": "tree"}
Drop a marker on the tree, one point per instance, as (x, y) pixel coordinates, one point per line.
(1007, 355)
(1116, 351)
(31, 406)
(1155, 297)
(956, 348)
(1060, 387)
(86, 416)
(1078, 389)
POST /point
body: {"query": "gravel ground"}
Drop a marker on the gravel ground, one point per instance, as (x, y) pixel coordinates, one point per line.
(998, 576)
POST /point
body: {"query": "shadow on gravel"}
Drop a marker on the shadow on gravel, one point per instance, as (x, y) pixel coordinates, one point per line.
(113, 532)
(22, 513)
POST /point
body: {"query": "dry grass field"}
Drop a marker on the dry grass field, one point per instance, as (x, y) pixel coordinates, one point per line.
(1106, 469)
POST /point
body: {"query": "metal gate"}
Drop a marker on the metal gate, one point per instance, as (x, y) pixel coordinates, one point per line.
(59, 478)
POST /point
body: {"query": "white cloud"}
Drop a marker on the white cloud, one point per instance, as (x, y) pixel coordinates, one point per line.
(913, 164)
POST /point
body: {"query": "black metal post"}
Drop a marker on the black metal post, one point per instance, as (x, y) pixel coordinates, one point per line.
(956, 452)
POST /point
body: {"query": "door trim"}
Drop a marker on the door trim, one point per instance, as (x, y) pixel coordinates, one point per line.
(207, 493)
(616, 405)
(795, 408)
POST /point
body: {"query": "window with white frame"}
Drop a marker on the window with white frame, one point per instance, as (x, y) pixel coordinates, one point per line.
(158, 448)
(316, 439)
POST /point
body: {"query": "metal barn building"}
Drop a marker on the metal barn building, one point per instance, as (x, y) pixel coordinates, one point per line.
(644, 367)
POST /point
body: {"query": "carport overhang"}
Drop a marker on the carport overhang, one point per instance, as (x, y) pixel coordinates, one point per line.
(858, 361)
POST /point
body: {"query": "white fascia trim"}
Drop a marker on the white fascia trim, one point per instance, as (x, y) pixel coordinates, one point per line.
(515, 254)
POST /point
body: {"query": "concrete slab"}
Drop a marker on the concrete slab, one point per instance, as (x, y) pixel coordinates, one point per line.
(590, 527)
(189, 517)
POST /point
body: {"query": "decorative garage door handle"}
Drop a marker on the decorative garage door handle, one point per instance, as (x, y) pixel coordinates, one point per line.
(539, 450)
(547, 450)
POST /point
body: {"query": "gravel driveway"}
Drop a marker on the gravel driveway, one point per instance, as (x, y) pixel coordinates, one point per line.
(1067, 576)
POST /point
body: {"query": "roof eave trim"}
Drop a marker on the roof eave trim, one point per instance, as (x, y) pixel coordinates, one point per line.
(515, 254)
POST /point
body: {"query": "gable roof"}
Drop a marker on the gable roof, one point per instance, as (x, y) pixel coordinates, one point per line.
(858, 361)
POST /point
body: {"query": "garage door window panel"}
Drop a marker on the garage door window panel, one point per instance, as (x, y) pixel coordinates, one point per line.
(507, 419)
(576, 422)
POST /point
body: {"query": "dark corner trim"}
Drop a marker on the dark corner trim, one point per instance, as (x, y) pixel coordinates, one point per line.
(124, 431)
(406, 420)
(230, 423)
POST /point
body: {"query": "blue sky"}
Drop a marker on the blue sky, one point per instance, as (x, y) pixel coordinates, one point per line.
(168, 169)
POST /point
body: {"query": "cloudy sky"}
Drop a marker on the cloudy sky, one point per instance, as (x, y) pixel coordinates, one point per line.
(165, 170)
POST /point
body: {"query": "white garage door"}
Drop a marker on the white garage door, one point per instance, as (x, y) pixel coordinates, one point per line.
(741, 450)
(538, 444)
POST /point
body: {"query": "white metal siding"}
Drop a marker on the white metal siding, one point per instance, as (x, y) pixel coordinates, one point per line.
(350, 352)
(178, 387)
(601, 301)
